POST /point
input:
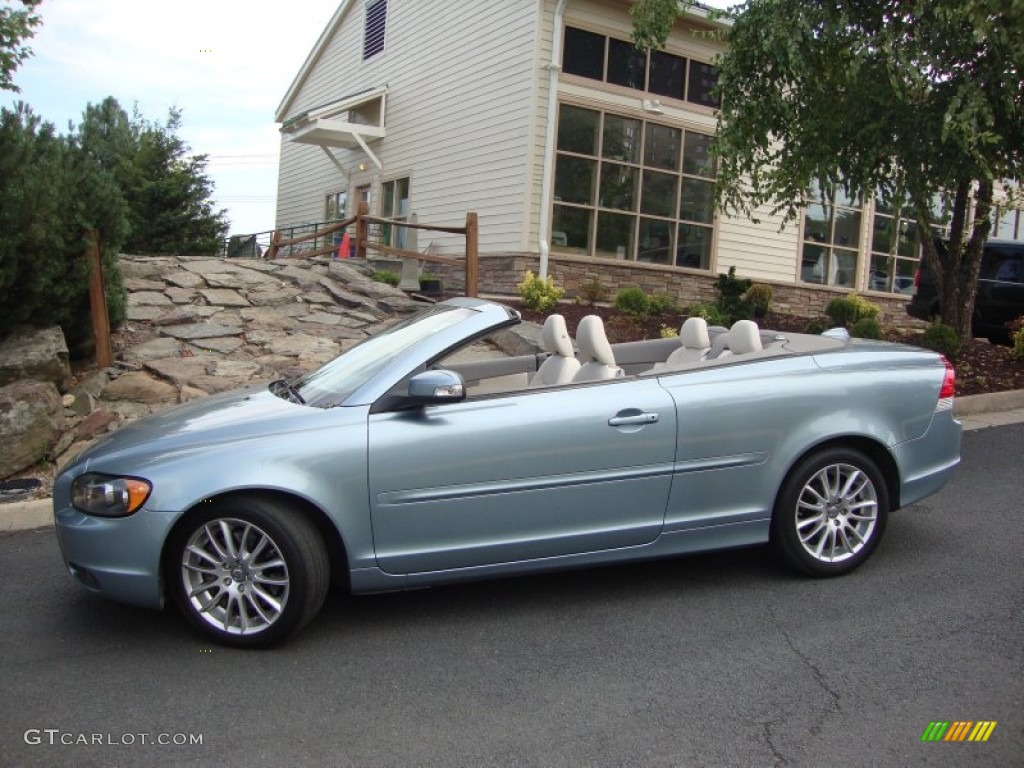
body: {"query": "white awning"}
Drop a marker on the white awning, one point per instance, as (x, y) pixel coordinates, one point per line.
(349, 123)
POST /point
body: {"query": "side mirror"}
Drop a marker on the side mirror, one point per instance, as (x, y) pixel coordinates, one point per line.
(435, 387)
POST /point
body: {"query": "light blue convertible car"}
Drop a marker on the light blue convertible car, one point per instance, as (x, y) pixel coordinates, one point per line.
(424, 456)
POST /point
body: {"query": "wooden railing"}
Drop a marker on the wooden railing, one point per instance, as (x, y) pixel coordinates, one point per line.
(363, 243)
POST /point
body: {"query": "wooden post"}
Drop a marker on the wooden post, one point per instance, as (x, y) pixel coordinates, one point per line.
(98, 304)
(362, 210)
(272, 250)
(472, 232)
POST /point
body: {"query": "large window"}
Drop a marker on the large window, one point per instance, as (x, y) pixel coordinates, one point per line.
(616, 61)
(374, 27)
(631, 189)
(896, 244)
(1007, 223)
(831, 238)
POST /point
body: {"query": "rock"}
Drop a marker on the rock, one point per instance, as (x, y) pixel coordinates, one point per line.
(202, 266)
(30, 353)
(180, 295)
(323, 318)
(200, 330)
(400, 304)
(151, 350)
(84, 403)
(67, 401)
(148, 299)
(143, 267)
(234, 368)
(141, 284)
(224, 297)
(178, 316)
(180, 370)
(143, 313)
(95, 424)
(522, 339)
(222, 346)
(91, 385)
(184, 279)
(303, 346)
(31, 422)
(272, 298)
(240, 277)
(190, 393)
(140, 388)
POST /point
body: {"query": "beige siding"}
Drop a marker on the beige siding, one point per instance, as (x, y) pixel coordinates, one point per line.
(460, 80)
(758, 250)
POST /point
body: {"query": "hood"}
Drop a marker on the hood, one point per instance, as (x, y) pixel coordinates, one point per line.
(231, 416)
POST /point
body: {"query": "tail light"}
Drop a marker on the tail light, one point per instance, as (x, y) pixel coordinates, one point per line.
(948, 389)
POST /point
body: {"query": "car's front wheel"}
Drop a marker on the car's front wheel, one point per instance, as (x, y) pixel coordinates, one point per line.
(248, 572)
(831, 512)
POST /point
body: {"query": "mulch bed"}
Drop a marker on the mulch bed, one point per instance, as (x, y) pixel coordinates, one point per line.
(981, 367)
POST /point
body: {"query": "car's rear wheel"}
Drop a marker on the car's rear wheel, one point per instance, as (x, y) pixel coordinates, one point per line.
(831, 512)
(248, 572)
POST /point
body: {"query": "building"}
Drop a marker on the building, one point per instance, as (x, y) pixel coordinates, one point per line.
(572, 146)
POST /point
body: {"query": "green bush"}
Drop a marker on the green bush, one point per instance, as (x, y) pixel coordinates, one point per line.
(941, 338)
(731, 291)
(866, 328)
(668, 332)
(759, 297)
(661, 303)
(816, 326)
(712, 314)
(846, 310)
(592, 292)
(539, 294)
(633, 301)
(1017, 335)
(386, 276)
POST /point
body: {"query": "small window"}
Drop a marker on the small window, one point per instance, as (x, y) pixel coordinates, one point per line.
(668, 74)
(703, 79)
(626, 64)
(376, 24)
(584, 54)
(394, 205)
(335, 206)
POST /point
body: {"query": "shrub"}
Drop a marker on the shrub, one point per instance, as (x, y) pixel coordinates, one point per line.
(731, 301)
(662, 303)
(866, 328)
(847, 310)
(816, 326)
(539, 294)
(941, 338)
(386, 276)
(592, 292)
(711, 313)
(633, 301)
(759, 296)
(1017, 335)
(668, 332)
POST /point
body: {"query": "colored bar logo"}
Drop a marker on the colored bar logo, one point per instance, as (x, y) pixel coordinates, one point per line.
(958, 730)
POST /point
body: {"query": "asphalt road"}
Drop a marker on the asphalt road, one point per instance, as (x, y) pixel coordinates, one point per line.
(716, 660)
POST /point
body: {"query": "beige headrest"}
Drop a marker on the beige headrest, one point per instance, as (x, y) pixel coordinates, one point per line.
(744, 337)
(694, 333)
(555, 337)
(593, 342)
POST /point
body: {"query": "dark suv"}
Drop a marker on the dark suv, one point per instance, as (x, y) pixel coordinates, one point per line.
(1000, 296)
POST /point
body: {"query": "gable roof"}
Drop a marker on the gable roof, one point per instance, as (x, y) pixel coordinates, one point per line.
(312, 59)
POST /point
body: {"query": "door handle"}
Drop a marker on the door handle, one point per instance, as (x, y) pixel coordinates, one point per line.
(632, 419)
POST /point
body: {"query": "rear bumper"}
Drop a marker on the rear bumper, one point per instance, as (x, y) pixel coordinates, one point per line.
(926, 464)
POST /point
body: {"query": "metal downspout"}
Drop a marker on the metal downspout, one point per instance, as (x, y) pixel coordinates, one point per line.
(549, 137)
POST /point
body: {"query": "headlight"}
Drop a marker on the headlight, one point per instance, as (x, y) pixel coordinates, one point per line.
(108, 496)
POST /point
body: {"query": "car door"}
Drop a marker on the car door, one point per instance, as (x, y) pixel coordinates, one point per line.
(533, 474)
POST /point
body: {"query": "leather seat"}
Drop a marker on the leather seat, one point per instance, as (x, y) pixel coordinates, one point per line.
(596, 352)
(561, 364)
(695, 340)
(744, 338)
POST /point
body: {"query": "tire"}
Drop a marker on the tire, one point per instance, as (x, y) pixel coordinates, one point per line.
(830, 513)
(248, 572)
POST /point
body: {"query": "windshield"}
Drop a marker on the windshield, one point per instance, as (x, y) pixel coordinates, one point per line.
(331, 384)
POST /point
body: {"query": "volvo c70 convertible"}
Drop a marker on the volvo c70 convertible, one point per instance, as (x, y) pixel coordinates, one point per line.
(424, 456)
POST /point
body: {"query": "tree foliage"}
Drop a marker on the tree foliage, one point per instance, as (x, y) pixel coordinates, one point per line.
(167, 190)
(17, 24)
(52, 195)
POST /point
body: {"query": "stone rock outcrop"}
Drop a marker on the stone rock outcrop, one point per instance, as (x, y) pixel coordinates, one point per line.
(31, 422)
(29, 353)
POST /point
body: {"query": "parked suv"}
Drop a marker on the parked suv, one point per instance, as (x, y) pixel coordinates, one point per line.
(1000, 296)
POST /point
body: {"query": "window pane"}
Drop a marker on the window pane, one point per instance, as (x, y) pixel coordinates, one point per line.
(577, 130)
(402, 192)
(697, 155)
(844, 268)
(697, 200)
(703, 79)
(881, 234)
(626, 65)
(618, 187)
(817, 224)
(908, 238)
(879, 278)
(574, 179)
(655, 242)
(570, 228)
(387, 200)
(904, 279)
(614, 235)
(621, 140)
(584, 54)
(814, 266)
(1006, 225)
(694, 247)
(667, 74)
(658, 193)
(847, 228)
(661, 146)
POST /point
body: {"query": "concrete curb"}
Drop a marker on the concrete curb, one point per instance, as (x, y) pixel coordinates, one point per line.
(976, 411)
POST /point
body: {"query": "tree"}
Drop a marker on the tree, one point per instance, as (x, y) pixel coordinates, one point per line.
(16, 26)
(911, 99)
(167, 191)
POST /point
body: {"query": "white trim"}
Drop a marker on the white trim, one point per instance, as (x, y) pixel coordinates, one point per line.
(546, 189)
